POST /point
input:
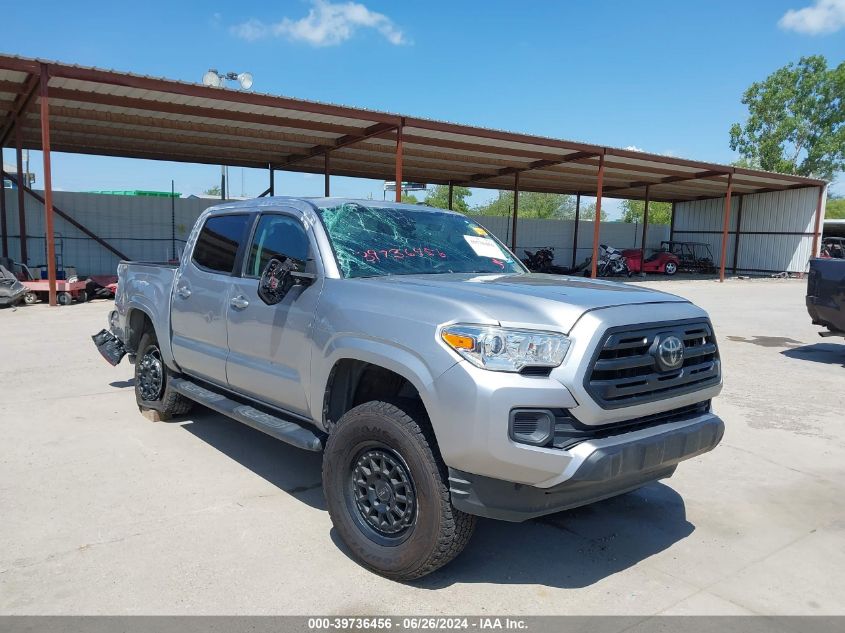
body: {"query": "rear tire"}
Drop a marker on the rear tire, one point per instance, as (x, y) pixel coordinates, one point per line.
(64, 298)
(152, 377)
(670, 268)
(387, 493)
(30, 298)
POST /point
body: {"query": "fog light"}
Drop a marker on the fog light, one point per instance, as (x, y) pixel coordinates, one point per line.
(531, 426)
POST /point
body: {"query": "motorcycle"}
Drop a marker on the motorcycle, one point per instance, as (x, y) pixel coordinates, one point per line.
(611, 263)
(542, 261)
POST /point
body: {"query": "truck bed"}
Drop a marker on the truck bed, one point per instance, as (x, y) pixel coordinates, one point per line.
(147, 285)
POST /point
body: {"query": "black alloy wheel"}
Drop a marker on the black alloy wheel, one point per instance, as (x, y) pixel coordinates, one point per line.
(151, 374)
(381, 495)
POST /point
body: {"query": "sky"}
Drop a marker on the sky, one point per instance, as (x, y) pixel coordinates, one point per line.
(658, 75)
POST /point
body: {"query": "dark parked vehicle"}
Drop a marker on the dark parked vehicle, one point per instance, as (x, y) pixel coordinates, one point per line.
(692, 256)
(826, 295)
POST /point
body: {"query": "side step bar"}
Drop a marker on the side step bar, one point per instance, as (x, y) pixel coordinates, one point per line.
(274, 426)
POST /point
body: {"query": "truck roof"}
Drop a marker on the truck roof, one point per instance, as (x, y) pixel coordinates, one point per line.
(305, 203)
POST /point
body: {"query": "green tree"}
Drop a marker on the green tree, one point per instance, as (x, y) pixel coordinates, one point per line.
(658, 212)
(409, 198)
(588, 212)
(439, 197)
(796, 120)
(552, 206)
(835, 209)
(213, 191)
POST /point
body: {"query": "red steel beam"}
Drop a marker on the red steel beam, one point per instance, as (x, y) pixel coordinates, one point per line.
(645, 228)
(49, 234)
(194, 90)
(725, 226)
(21, 208)
(22, 102)
(515, 210)
(398, 164)
(134, 103)
(4, 229)
(537, 164)
(347, 139)
(597, 219)
(818, 223)
(669, 179)
(575, 233)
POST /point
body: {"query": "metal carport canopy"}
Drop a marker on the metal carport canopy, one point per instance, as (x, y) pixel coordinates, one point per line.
(109, 113)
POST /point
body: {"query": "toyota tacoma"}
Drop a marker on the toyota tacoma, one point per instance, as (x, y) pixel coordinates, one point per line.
(440, 378)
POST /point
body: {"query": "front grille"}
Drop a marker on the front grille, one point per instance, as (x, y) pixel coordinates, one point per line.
(625, 370)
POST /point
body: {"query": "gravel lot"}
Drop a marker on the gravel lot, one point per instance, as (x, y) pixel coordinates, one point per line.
(105, 512)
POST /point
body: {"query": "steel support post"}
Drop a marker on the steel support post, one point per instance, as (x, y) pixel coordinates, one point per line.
(645, 227)
(21, 207)
(575, 232)
(726, 223)
(597, 219)
(818, 224)
(515, 211)
(48, 186)
(399, 164)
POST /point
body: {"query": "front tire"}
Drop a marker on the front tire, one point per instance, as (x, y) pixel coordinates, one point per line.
(671, 268)
(387, 493)
(152, 375)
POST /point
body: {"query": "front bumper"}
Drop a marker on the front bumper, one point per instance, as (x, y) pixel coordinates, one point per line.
(599, 469)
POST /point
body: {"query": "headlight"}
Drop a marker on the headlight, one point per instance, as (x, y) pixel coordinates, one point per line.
(505, 349)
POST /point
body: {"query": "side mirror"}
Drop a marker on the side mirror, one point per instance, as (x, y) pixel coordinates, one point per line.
(279, 277)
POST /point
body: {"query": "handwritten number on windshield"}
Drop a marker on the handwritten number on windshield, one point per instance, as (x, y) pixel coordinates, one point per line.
(376, 255)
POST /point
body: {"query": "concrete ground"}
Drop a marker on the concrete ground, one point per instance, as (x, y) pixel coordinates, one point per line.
(105, 512)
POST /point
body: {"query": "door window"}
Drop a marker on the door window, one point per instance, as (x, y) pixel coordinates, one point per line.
(277, 237)
(218, 242)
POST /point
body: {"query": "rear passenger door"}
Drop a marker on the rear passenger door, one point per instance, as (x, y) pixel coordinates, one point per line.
(269, 346)
(201, 296)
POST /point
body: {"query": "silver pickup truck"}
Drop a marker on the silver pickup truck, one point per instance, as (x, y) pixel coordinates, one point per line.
(441, 379)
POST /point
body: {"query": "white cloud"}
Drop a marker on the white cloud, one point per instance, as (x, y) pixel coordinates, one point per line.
(634, 148)
(825, 16)
(327, 24)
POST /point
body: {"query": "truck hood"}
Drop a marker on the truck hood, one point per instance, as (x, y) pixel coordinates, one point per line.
(512, 299)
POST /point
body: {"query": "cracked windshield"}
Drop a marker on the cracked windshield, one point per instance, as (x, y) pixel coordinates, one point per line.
(377, 241)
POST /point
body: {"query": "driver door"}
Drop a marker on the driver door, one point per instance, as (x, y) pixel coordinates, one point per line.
(269, 346)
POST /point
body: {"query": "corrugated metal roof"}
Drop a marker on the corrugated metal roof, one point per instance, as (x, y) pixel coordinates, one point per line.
(111, 113)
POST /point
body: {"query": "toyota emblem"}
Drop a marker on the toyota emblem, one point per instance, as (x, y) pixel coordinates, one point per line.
(670, 353)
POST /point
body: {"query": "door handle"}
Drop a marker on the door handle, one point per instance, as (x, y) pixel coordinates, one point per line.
(239, 302)
(183, 291)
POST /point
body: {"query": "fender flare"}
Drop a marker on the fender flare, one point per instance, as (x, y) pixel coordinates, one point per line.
(387, 354)
(162, 338)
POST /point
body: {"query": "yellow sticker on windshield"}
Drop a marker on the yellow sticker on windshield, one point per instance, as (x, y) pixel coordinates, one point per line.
(479, 230)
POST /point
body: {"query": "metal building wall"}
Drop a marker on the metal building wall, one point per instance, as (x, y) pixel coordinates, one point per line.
(775, 234)
(139, 227)
(532, 234)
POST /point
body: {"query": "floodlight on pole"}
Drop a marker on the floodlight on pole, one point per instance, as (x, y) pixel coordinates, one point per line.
(215, 79)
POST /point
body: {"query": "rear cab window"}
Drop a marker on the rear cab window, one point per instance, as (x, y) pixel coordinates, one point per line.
(217, 245)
